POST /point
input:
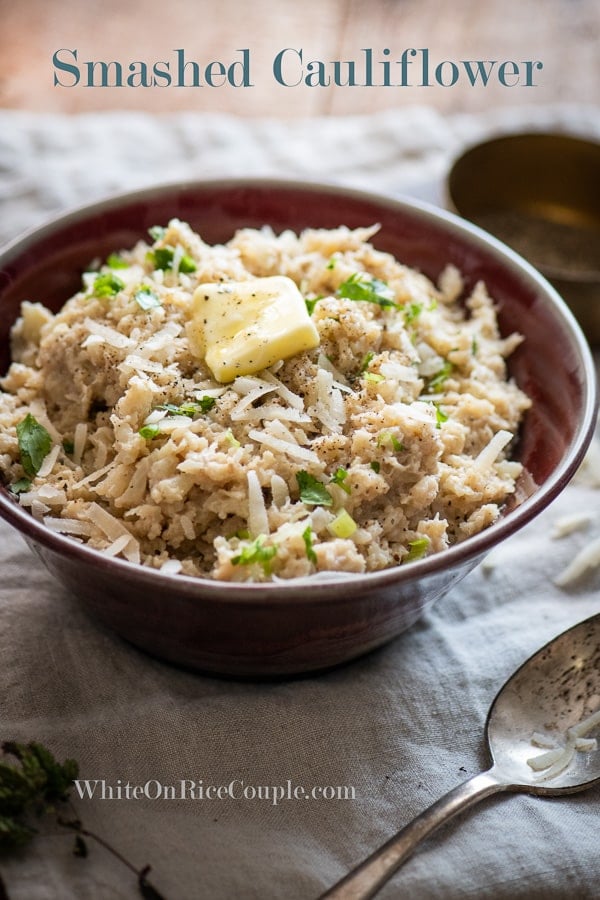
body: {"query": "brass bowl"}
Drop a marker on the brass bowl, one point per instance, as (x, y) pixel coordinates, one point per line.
(540, 194)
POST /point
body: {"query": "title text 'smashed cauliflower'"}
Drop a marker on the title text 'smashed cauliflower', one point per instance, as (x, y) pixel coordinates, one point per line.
(385, 443)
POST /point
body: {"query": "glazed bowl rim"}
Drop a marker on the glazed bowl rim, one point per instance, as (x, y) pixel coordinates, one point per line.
(340, 584)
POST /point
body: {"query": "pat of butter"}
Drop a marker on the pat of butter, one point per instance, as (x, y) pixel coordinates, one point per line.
(245, 326)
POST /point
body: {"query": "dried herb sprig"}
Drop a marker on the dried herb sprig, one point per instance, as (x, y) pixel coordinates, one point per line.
(36, 785)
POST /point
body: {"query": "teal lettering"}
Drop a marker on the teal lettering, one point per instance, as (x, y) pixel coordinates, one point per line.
(278, 67)
(63, 66)
(480, 72)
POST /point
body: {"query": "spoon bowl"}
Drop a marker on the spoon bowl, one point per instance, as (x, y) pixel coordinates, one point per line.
(553, 693)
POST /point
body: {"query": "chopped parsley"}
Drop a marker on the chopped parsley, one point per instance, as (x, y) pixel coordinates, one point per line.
(339, 478)
(21, 486)
(256, 552)
(440, 417)
(360, 287)
(162, 258)
(190, 408)
(68, 447)
(440, 377)
(366, 361)
(311, 303)
(411, 312)
(34, 444)
(116, 261)
(146, 298)
(312, 491)
(308, 543)
(107, 285)
(417, 549)
(388, 438)
(375, 466)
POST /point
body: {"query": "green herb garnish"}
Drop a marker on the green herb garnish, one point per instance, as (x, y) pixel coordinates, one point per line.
(474, 346)
(162, 258)
(34, 444)
(411, 312)
(417, 549)
(331, 263)
(190, 408)
(256, 552)
(373, 377)
(388, 438)
(36, 785)
(107, 285)
(440, 377)
(440, 417)
(146, 298)
(149, 431)
(68, 447)
(360, 287)
(312, 491)
(157, 232)
(231, 438)
(339, 478)
(375, 466)
(308, 543)
(311, 303)
(366, 360)
(116, 261)
(20, 487)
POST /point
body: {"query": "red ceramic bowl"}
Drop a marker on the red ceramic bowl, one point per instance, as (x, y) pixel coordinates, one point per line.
(280, 629)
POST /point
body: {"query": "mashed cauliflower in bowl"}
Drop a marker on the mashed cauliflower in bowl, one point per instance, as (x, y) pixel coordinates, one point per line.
(275, 407)
(259, 426)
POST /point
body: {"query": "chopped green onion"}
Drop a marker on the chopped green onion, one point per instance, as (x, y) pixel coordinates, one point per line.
(440, 377)
(373, 377)
(107, 285)
(360, 287)
(157, 232)
(440, 416)
(474, 346)
(20, 487)
(149, 431)
(331, 263)
(256, 552)
(312, 491)
(308, 543)
(230, 437)
(162, 258)
(417, 549)
(388, 438)
(116, 261)
(34, 444)
(375, 466)
(343, 526)
(190, 408)
(339, 478)
(366, 361)
(146, 298)
(411, 312)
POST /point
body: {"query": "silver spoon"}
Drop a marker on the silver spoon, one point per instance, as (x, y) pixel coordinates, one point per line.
(554, 690)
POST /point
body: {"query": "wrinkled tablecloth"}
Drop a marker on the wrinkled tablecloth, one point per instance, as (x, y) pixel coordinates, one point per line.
(399, 727)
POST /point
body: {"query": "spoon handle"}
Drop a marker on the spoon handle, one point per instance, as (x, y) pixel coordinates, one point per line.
(369, 876)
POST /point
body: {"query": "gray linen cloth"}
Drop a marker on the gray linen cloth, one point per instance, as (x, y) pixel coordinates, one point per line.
(400, 726)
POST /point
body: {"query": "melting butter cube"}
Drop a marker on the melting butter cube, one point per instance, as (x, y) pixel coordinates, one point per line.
(245, 326)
